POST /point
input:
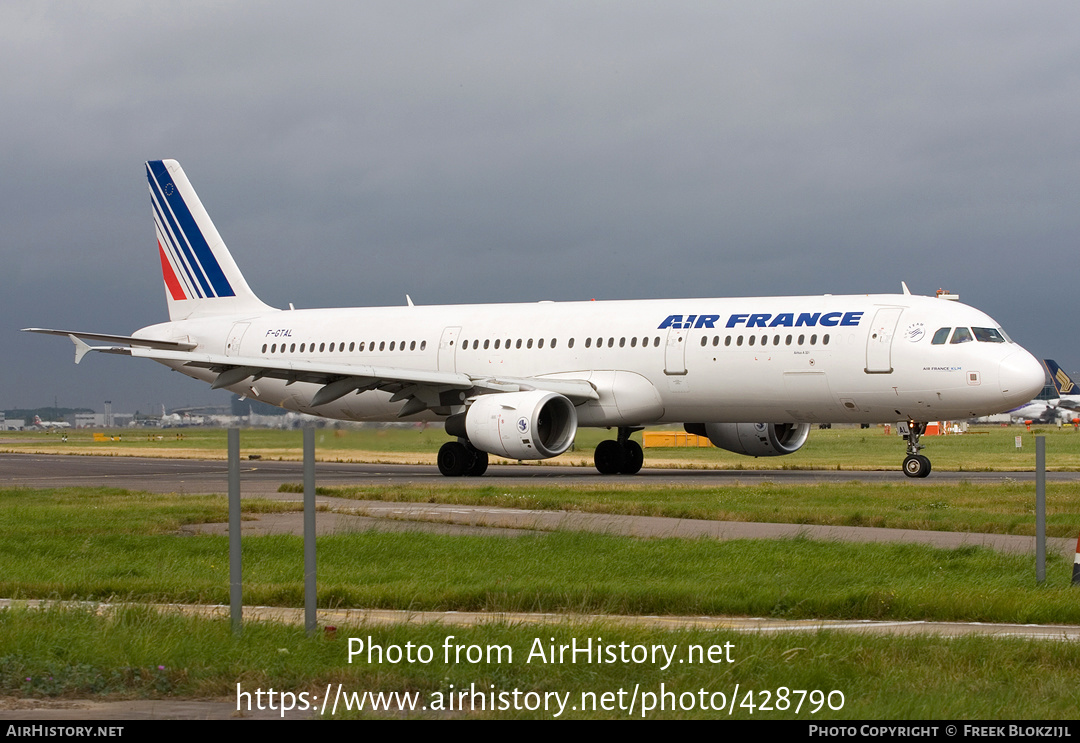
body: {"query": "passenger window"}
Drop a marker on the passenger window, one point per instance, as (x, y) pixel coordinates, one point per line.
(540, 343)
(633, 342)
(588, 343)
(727, 340)
(264, 348)
(738, 341)
(423, 345)
(961, 335)
(529, 344)
(486, 344)
(751, 339)
(553, 341)
(570, 343)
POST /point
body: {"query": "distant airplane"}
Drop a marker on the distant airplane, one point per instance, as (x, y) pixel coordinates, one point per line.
(517, 380)
(47, 425)
(1068, 400)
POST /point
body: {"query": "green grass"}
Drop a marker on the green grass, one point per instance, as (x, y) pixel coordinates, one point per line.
(974, 507)
(985, 448)
(100, 544)
(97, 543)
(135, 653)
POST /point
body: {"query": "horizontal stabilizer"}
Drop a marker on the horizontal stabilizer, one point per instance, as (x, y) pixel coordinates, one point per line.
(106, 338)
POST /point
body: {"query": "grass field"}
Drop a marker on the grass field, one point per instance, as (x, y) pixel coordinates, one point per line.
(137, 653)
(99, 544)
(985, 448)
(103, 544)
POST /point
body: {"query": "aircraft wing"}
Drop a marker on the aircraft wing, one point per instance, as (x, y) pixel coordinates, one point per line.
(421, 389)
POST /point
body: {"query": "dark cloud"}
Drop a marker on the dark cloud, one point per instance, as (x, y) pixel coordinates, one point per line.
(494, 151)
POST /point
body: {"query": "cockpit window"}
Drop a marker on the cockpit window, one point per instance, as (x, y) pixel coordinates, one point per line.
(988, 335)
(961, 335)
(941, 336)
(1005, 335)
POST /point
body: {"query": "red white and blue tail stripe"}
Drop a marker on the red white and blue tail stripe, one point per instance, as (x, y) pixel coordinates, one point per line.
(200, 275)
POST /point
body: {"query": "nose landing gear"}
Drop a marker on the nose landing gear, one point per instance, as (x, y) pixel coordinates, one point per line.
(915, 464)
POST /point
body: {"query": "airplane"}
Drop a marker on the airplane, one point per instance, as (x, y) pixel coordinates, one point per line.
(1039, 410)
(517, 380)
(1067, 402)
(48, 425)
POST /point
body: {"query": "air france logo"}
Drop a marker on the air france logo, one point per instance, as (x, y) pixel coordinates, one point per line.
(764, 320)
(523, 425)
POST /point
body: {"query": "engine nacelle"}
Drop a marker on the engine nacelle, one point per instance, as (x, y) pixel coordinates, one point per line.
(522, 425)
(754, 439)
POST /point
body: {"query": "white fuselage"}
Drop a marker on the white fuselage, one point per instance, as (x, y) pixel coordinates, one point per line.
(861, 358)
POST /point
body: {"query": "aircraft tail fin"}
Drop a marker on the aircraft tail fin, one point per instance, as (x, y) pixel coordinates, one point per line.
(1060, 379)
(201, 277)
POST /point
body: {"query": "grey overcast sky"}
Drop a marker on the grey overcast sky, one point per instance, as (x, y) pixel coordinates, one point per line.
(353, 152)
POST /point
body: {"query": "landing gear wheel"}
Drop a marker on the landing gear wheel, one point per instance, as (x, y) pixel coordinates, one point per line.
(479, 464)
(916, 465)
(610, 457)
(635, 457)
(455, 459)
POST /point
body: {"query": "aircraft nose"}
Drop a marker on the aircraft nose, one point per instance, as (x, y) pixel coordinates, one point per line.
(1021, 377)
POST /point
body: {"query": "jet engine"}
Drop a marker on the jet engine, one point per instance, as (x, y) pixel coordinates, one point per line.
(522, 425)
(754, 439)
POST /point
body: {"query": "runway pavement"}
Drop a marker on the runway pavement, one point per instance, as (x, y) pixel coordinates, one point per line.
(195, 476)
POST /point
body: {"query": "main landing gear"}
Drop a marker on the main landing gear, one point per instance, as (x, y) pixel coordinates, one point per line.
(621, 457)
(915, 464)
(462, 459)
